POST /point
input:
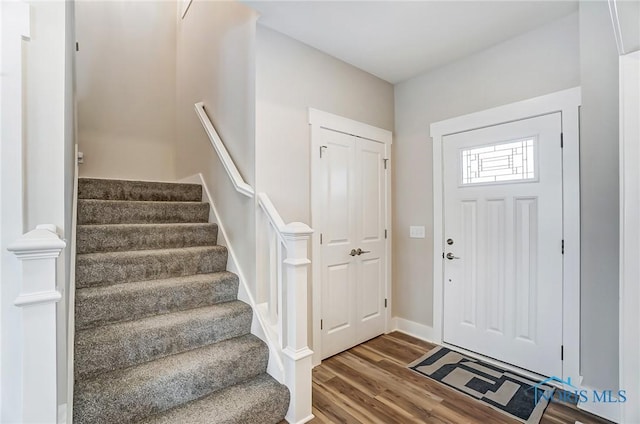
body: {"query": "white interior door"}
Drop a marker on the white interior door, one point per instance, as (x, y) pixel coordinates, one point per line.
(353, 245)
(503, 242)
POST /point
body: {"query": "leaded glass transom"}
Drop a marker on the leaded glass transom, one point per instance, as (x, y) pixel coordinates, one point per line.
(500, 162)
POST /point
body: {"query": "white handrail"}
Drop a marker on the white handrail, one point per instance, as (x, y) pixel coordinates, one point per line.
(272, 214)
(239, 183)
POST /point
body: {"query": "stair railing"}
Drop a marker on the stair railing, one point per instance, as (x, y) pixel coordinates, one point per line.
(286, 304)
(238, 182)
(282, 286)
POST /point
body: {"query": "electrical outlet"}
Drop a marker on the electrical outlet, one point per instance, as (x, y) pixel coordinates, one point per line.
(416, 231)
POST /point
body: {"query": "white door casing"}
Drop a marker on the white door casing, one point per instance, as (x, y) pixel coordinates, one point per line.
(566, 102)
(358, 166)
(353, 248)
(503, 295)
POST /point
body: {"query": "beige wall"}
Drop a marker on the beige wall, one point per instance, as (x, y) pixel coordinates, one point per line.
(216, 64)
(291, 77)
(599, 197)
(126, 88)
(536, 63)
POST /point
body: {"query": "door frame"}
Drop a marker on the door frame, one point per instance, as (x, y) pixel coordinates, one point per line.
(324, 120)
(567, 102)
(629, 232)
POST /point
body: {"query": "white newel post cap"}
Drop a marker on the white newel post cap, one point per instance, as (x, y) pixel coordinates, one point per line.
(41, 243)
(296, 230)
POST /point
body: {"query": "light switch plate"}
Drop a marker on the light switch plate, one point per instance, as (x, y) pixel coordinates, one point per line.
(416, 231)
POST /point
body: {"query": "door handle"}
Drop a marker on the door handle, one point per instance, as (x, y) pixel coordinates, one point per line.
(353, 252)
(360, 251)
(451, 257)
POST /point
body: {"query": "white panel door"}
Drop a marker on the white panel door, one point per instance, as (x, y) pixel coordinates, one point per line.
(503, 242)
(353, 248)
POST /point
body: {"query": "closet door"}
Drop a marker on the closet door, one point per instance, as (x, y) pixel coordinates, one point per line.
(353, 250)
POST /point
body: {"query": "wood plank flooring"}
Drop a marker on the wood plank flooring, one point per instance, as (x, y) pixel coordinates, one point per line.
(371, 384)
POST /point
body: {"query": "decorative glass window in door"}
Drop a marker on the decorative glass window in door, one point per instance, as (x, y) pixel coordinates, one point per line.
(499, 162)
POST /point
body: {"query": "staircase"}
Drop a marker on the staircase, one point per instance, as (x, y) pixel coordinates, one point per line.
(160, 335)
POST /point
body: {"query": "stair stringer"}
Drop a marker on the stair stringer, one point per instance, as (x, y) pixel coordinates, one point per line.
(259, 326)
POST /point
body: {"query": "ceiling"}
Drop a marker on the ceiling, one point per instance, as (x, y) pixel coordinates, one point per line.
(396, 40)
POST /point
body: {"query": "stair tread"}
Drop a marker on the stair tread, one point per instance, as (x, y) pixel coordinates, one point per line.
(137, 392)
(159, 225)
(167, 203)
(127, 237)
(126, 301)
(124, 344)
(131, 253)
(268, 403)
(99, 211)
(106, 268)
(109, 189)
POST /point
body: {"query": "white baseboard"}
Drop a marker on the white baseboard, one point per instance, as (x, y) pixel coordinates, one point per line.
(415, 329)
(609, 411)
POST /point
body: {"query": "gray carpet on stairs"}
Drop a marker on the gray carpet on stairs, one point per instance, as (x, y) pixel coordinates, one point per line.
(91, 211)
(160, 334)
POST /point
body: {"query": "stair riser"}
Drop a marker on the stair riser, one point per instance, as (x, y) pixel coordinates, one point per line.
(89, 188)
(118, 238)
(105, 269)
(131, 212)
(97, 404)
(93, 310)
(100, 351)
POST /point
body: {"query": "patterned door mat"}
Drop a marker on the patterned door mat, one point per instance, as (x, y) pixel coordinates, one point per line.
(519, 397)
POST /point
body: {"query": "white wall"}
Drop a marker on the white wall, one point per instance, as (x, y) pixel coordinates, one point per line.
(628, 13)
(126, 88)
(216, 65)
(536, 63)
(11, 207)
(44, 90)
(599, 163)
(290, 78)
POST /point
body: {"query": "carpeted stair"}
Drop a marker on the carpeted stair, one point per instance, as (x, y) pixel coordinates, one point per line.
(160, 335)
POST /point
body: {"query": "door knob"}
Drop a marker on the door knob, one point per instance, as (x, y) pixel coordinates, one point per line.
(360, 251)
(353, 252)
(451, 257)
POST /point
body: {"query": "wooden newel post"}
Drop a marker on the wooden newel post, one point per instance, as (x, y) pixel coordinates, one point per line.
(38, 251)
(297, 355)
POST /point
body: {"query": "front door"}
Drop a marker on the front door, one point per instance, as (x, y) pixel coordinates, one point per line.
(353, 245)
(503, 242)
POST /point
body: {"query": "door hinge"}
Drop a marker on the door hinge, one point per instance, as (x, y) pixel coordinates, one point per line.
(321, 324)
(320, 238)
(562, 352)
(385, 163)
(385, 303)
(385, 234)
(77, 46)
(561, 140)
(321, 150)
(563, 247)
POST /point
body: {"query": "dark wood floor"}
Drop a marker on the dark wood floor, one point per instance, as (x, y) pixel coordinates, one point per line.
(371, 384)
